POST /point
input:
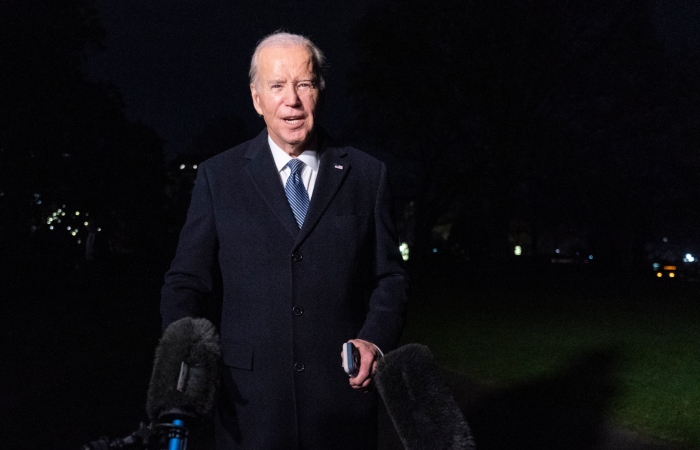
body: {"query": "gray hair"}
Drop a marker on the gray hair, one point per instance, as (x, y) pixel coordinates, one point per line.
(283, 39)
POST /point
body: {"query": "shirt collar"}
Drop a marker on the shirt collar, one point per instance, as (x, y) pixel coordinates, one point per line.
(308, 157)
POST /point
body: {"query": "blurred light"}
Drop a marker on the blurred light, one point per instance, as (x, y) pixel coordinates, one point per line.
(656, 265)
(77, 213)
(557, 251)
(671, 275)
(590, 257)
(63, 213)
(689, 258)
(38, 202)
(79, 241)
(403, 248)
(51, 227)
(99, 229)
(85, 223)
(435, 250)
(195, 166)
(659, 275)
(518, 250)
(665, 239)
(68, 228)
(669, 267)
(182, 167)
(37, 195)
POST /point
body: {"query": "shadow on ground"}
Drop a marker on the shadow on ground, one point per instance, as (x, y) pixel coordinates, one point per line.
(566, 410)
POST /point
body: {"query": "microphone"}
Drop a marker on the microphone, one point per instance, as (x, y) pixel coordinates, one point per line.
(185, 377)
(419, 401)
(145, 437)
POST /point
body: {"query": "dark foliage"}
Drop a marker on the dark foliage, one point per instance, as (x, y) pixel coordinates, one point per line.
(547, 113)
(65, 138)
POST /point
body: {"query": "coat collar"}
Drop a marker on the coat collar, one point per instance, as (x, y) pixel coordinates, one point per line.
(333, 168)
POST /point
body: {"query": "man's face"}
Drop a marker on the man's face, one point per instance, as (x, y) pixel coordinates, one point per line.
(286, 93)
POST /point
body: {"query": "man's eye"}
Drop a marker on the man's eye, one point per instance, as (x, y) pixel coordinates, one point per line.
(305, 86)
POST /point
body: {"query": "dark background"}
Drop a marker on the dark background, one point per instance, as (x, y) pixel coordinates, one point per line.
(568, 129)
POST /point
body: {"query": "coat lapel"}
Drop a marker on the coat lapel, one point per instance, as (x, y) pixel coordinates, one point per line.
(333, 168)
(262, 170)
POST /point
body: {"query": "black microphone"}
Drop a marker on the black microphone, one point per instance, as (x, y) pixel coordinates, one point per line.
(185, 377)
(144, 438)
(419, 401)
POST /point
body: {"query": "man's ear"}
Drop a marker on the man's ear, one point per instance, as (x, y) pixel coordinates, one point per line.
(256, 99)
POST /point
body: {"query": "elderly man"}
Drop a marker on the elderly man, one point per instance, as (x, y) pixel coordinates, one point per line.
(297, 231)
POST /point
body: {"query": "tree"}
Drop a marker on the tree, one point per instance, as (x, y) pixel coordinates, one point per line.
(543, 111)
(63, 137)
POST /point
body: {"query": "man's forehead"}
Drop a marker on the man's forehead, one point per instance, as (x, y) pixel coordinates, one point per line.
(279, 57)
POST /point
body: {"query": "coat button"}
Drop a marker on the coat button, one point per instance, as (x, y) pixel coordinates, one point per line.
(299, 367)
(297, 310)
(296, 257)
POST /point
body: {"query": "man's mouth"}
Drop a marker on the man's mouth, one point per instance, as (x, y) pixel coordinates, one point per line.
(293, 120)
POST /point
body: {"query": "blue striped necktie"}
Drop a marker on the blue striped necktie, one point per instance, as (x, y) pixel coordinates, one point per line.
(296, 192)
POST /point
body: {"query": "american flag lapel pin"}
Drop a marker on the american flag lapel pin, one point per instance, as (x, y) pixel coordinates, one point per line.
(339, 167)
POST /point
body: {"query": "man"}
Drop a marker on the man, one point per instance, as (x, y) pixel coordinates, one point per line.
(308, 259)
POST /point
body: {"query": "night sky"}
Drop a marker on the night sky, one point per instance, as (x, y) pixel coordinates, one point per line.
(180, 66)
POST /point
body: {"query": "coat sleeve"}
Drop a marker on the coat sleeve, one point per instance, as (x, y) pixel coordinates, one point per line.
(191, 275)
(387, 302)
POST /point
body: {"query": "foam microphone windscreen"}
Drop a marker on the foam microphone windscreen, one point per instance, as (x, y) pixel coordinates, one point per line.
(185, 371)
(419, 401)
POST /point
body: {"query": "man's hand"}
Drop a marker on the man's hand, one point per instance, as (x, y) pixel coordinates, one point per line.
(369, 355)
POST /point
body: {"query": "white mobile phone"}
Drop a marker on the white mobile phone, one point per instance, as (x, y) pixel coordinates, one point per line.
(351, 359)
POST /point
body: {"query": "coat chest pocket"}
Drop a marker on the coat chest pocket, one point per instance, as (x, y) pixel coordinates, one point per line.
(353, 221)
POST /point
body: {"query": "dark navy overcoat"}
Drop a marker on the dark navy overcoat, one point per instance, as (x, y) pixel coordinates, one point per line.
(291, 297)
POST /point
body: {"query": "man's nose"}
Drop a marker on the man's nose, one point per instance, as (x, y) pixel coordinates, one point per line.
(291, 97)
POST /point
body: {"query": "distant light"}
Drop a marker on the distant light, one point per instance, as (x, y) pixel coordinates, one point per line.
(63, 213)
(182, 167)
(195, 167)
(689, 258)
(671, 275)
(590, 257)
(79, 241)
(518, 250)
(434, 250)
(68, 228)
(38, 202)
(99, 229)
(665, 239)
(37, 195)
(85, 223)
(77, 213)
(51, 227)
(669, 267)
(403, 248)
(659, 275)
(557, 251)
(656, 265)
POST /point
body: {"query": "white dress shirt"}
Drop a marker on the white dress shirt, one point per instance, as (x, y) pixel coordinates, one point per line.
(308, 173)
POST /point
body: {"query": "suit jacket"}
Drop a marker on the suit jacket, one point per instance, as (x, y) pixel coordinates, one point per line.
(291, 296)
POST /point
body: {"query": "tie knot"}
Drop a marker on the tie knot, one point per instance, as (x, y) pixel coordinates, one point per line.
(295, 165)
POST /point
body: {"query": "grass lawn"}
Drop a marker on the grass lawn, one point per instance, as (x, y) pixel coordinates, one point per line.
(630, 350)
